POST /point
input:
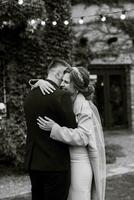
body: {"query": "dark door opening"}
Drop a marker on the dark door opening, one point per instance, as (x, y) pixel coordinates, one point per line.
(110, 95)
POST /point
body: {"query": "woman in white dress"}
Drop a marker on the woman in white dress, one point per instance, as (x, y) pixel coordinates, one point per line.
(87, 161)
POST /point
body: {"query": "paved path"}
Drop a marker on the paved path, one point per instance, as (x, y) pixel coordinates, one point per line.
(123, 164)
(21, 185)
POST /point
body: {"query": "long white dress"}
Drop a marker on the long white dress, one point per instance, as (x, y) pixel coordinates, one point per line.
(81, 174)
(83, 152)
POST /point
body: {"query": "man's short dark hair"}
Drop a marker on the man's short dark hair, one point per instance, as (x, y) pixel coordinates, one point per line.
(68, 70)
(57, 61)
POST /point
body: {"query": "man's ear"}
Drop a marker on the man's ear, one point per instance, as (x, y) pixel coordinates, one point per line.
(58, 75)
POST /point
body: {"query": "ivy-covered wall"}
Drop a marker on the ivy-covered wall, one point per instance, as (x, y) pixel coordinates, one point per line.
(25, 52)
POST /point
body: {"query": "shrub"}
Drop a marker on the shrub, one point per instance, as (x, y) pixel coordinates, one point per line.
(13, 143)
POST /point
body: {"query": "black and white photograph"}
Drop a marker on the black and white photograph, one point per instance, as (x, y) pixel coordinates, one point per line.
(66, 100)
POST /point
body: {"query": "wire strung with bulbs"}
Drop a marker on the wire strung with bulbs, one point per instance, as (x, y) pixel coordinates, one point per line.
(122, 16)
(102, 17)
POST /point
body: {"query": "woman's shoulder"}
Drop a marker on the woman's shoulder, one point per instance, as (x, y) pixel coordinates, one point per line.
(81, 105)
(86, 108)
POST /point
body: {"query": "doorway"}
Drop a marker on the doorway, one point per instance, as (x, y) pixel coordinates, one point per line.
(110, 94)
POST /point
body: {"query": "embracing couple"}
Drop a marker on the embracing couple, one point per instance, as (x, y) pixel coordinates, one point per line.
(65, 152)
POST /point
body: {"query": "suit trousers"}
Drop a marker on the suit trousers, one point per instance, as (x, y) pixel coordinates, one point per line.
(49, 185)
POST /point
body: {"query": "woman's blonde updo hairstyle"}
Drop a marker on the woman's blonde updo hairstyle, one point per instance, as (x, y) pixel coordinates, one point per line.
(80, 77)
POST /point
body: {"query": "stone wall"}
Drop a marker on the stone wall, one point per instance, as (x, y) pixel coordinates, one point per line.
(132, 95)
(100, 34)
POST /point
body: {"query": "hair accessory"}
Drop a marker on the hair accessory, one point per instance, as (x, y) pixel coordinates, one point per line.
(78, 73)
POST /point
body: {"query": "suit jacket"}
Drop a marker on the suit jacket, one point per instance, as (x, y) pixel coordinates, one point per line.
(42, 152)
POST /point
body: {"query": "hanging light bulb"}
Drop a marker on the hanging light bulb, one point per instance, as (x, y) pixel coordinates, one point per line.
(123, 15)
(66, 22)
(81, 21)
(54, 23)
(103, 18)
(32, 22)
(5, 22)
(43, 23)
(20, 2)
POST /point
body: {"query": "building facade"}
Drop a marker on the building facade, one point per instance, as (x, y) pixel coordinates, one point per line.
(112, 68)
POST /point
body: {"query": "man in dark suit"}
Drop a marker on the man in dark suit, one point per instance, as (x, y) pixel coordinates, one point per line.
(47, 160)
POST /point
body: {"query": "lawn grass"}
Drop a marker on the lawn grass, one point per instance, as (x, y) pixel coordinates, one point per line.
(112, 152)
(120, 187)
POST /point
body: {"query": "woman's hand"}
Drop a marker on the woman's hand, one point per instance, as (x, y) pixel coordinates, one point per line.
(32, 82)
(45, 124)
(44, 86)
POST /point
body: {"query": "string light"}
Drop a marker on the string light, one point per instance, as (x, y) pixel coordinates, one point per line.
(32, 22)
(103, 18)
(66, 22)
(54, 23)
(43, 23)
(5, 23)
(123, 16)
(20, 2)
(81, 21)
